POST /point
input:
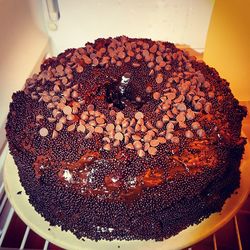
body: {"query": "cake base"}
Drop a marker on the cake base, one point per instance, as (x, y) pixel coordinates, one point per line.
(67, 240)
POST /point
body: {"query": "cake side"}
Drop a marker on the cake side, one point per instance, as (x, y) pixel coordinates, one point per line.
(128, 129)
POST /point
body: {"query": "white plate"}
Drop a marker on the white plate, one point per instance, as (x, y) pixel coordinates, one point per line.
(67, 240)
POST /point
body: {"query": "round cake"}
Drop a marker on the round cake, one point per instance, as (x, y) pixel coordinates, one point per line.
(126, 139)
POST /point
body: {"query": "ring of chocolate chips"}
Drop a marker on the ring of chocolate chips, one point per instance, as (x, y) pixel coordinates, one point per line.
(181, 97)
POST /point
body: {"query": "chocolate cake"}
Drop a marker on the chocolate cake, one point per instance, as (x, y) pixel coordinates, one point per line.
(126, 139)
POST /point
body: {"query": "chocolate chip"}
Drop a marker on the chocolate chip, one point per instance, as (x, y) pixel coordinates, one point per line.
(181, 117)
(100, 120)
(149, 125)
(84, 116)
(179, 99)
(107, 147)
(90, 128)
(195, 125)
(68, 70)
(64, 80)
(125, 123)
(89, 135)
(106, 139)
(99, 130)
(175, 139)
(74, 94)
(79, 69)
(165, 118)
(165, 106)
(147, 138)
(151, 133)
(198, 106)
(170, 127)
(141, 153)
(56, 88)
(118, 128)
(152, 151)
(136, 65)
(59, 68)
(206, 85)
(168, 67)
(145, 53)
(54, 134)
(159, 124)
(159, 78)
(169, 136)
(59, 126)
(81, 128)
(86, 59)
(182, 125)
(63, 120)
(137, 145)
(201, 133)
(121, 55)
(181, 107)
(46, 98)
(116, 143)
(90, 107)
(51, 119)
(118, 63)
(150, 65)
(129, 146)
(189, 134)
(211, 94)
(154, 143)
(132, 122)
(159, 59)
(112, 112)
(120, 115)
(153, 48)
(74, 110)
(170, 96)
(55, 98)
(156, 96)
(131, 53)
(208, 107)
(136, 137)
(146, 146)
(162, 64)
(169, 113)
(127, 59)
(190, 115)
(119, 136)
(43, 132)
(139, 115)
(70, 117)
(92, 123)
(161, 140)
(50, 105)
(138, 56)
(175, 111)
(67, 110)
(39, 118)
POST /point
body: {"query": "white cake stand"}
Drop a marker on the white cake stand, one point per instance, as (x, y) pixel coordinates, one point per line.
(67, 240)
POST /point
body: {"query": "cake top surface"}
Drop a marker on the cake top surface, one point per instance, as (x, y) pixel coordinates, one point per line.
(124, 111)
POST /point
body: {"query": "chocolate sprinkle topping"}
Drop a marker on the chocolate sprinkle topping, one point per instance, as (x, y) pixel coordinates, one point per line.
(126, 139)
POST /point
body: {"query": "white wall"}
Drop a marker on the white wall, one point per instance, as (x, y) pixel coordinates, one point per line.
(179, 21)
